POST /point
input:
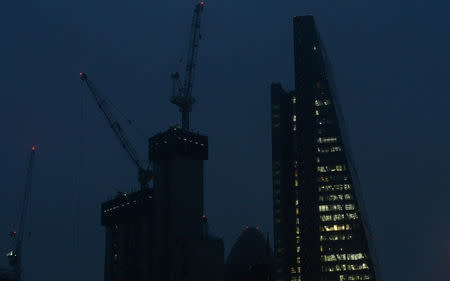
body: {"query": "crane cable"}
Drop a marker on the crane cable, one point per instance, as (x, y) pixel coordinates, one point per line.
(78, 183)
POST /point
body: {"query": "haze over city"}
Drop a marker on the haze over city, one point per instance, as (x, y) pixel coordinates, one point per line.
(390, 62)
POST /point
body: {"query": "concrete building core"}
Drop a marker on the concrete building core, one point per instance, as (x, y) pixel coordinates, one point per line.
(183, 249)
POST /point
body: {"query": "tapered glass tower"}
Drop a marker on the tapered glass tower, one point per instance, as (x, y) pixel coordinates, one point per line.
(319, 226)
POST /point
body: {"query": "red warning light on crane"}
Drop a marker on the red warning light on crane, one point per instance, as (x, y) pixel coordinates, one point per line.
(202, 3)
(33, 148)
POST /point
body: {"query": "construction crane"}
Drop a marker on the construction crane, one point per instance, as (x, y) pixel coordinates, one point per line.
(15, 254)
(182, 93)
(144, 174)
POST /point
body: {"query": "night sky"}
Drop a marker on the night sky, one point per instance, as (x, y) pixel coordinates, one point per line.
(391, 62)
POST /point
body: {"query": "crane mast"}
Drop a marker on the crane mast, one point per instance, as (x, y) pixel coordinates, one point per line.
(15, 255)
(182, 93)
(144, 174)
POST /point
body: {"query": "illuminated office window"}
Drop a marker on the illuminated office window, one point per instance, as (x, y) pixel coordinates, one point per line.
(335, 149)
(326, 218)
(335, 227)
(349, 207)
(322, 102)
(336, 237)
(331, 207)
(352, 216)
(334, 197)
(356, 257)
(326, 139)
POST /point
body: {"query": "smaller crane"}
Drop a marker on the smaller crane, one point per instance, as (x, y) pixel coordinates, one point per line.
(144, 174)
(182, 93)
(15, 255)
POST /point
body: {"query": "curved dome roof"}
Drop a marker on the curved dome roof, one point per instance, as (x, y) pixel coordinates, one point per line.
(250, 249)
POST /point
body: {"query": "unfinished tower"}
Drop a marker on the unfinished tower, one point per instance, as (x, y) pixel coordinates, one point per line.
(183, 250)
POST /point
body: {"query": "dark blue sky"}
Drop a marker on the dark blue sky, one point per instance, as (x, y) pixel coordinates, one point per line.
(391, 62)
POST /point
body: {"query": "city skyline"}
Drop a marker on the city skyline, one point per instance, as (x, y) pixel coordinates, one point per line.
(129, 48)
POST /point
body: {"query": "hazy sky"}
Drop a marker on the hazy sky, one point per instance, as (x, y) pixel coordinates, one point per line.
(391, 61)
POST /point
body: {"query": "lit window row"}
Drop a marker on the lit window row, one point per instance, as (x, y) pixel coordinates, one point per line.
(335, 197)
(325, 169)
(336, 207)
(335, 227)
(343, 257)
(339, 217)
(336, 237)
(354, 277)
(328, 149)
(326, 140)
(345, 267)
(334, 187)
(322, 102)
(323, 121)
(335, 178)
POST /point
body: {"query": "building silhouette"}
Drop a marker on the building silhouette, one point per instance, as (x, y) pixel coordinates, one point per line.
(128, 223)
(250, 258)
(319, 230)
(183, 249)
(161, 233)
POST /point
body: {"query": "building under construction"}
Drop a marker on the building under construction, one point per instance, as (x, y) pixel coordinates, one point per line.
(161, 233)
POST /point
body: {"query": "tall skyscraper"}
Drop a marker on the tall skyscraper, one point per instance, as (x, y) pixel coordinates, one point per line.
(182, 247)
(319, 230)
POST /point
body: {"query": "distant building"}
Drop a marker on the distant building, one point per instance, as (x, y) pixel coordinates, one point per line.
(319, 229)
(250, 258)
(7, 275)
(183, 249)
(128, 243)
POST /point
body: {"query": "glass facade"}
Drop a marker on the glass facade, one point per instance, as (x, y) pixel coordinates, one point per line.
(318, 227)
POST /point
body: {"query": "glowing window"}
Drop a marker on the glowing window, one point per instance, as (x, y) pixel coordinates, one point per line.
(352, 216)
(335, 237)
(326, 217)
(332, 207)
(349, 207)
(326, 140)
(335, 149)
(335, 227)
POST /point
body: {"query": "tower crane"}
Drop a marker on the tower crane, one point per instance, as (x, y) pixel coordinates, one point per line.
(182, 93)
(15, 254)
(144, 174)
